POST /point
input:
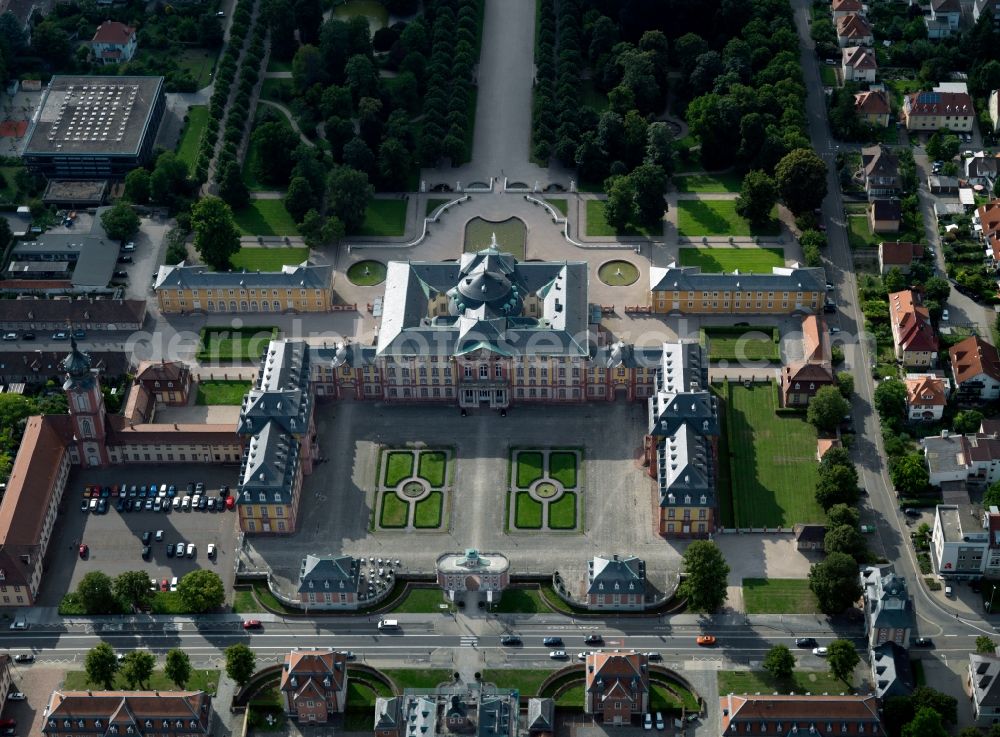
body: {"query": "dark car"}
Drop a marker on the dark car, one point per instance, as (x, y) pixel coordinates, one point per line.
(78, 334)
(552, 642)
(124, 259)
(829, 309)
(510, 640)
(170, 550)
(224, 491)
(923, 642)
(120, 505)
(146, 536)
(24, 658)
(146, 551)
(121, 275)
(28, 336)
(102, 506)
(594, 639)
(911, 512)
(805, 642)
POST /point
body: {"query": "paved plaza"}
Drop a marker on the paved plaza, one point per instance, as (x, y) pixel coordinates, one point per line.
(617, 496)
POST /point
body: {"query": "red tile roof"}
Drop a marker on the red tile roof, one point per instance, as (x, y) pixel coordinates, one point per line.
(846, 6)
(113, 32)
(161, 371)
(911, 322)
(972, 357)
(925, 390)
(899, 253)
(184, 712)
(859, 57)
(853, 26)
(313, 666)
(873, 102)
(938, 103)
(32, 479)
(815, 339)
(624, 674)
(780, 716)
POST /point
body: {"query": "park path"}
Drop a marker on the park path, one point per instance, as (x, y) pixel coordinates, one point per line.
(291, 119)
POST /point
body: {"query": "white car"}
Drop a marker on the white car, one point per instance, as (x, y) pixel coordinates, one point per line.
(944, 315)
(176, 504)
(211, 550)
(190, 550)
(173, 583)
(821, 651)
(647, 723)
(558, 654)
(16, 696)
(659, 720)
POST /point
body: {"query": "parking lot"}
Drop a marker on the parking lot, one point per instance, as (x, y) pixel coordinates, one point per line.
(114, 539)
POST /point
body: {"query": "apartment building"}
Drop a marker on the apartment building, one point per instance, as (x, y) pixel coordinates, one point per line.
(916, 342)
(932, 111)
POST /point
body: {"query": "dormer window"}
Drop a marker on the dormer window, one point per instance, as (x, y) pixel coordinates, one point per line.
(294, 681)
(193, 724)
(67, 724)
(130, 729)
(80, 723)
(97, 724)
(149, 724)
(52, 723)
(113, 729)
(262, 497)
(179, 724)
(166, 724)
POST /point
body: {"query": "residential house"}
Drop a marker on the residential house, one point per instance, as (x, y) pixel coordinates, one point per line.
(981, 168)
(800, 380)
(981, 6)
(975, 365)
(943, 18)
(470, 708)
(898, 255)
(891, 671)
(616, 582)
(858, 64)
(926, 397)
(984, 688)
(959, 542)
(841, 8)
(915, 341)
(854, 30)
(800, 714)
(114, 43)
(168, 382)
(994, 109)
(872, 107)
(991, 521)
(939, 184)
(785, 291)
(122, 713)
(986, 222)
(314, 685)
(810, 537)
(329, 582)
(932, 111)
(888, 606)
(881, 171)
(884, 216)
(297, 288)
(617, 685)
(973, 459)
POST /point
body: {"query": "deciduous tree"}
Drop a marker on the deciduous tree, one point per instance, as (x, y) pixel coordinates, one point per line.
(101, 666)
(909, 474)
(137, 668)
(705, 576)
(178, 667)
(240, 663)
(843, 658)
(216, 236)
(834, 581)
(96, 593)
(137, 186)
(131, 588)
(925, 723)
(758, 196)
(201, 591)
(967, 421)
(801, 179)
(779, 662)
(120, 221)
(846, 539)
(348, 196)
(827, 408)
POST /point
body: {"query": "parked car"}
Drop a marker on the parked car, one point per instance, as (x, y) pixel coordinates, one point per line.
(911, 512)
(653, 655)
(594, 639)
(61, 335)
(124, 259)
(146, 552)
(84, 552)
(647, 722)
(211, 550)
(16, 696)
(230, 502)
(190, 550)
(923, 642)
(659, 720)
(24, 658)
(129, 247)
(146, 536)
(170, 550)
(84, 505)
(79, 334)
(10, 336)
(28, 336)
(349, 654)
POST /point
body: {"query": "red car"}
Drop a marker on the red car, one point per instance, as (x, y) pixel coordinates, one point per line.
(84, 552)
(164, 585)
(230, 502)
(252, 624)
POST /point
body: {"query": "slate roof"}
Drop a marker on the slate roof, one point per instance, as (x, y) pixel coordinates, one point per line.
(336, 573)
(890, 210)
(282, 393)
(541, 715)
(781, 279)
(480, 302)
(887, 600)
(73, 311)
(313, 672)
(270, 463)
(984, 670)
(616, 574)
(881, 166)
(893, 675)
(46, 365)
(299, 276)
(616, 675)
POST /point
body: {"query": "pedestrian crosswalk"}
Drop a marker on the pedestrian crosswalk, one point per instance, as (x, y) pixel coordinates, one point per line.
(469, 641)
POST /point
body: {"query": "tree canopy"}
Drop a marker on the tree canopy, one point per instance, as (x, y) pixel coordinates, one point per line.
(801, 179)
(827, 408)
(101, 666)
(842, 658)
(779, 662)
(705, 576)
(834, 581)
(120, 221)
(201, 591)
(240, 663)
(215, 233)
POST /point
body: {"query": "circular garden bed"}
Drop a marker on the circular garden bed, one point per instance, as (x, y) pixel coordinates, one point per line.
(366, 273)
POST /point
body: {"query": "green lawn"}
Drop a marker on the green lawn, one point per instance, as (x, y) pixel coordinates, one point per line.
(395, 511)
(194, 130)
(859, 234)
(366, 273)
(774, 469)
(222, 392)
(432, 467)
(741, 344)
(201, 64)
(562, 512)
(511, 234)
(561, 204)
(529, 468)
(719, 260)
(234, 344)
(432, 204)
(279, 90)
(597, 225)
(525, 680)
(244, 603)
(527, 512)
(418, 677)
(827, 76)
(8, 191)
(422, 601)
(758, 681)
(562, 468)
(384, 218)
(374, 11)
(398, 466)
(672, 697)
(201, 680)
(709, 183)
(571, 698)
(718, 217)
(265, 217)
(267, 259)
(521, 601)
(778, 596)
(427, 515)
(276, 65)
(901, 87)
